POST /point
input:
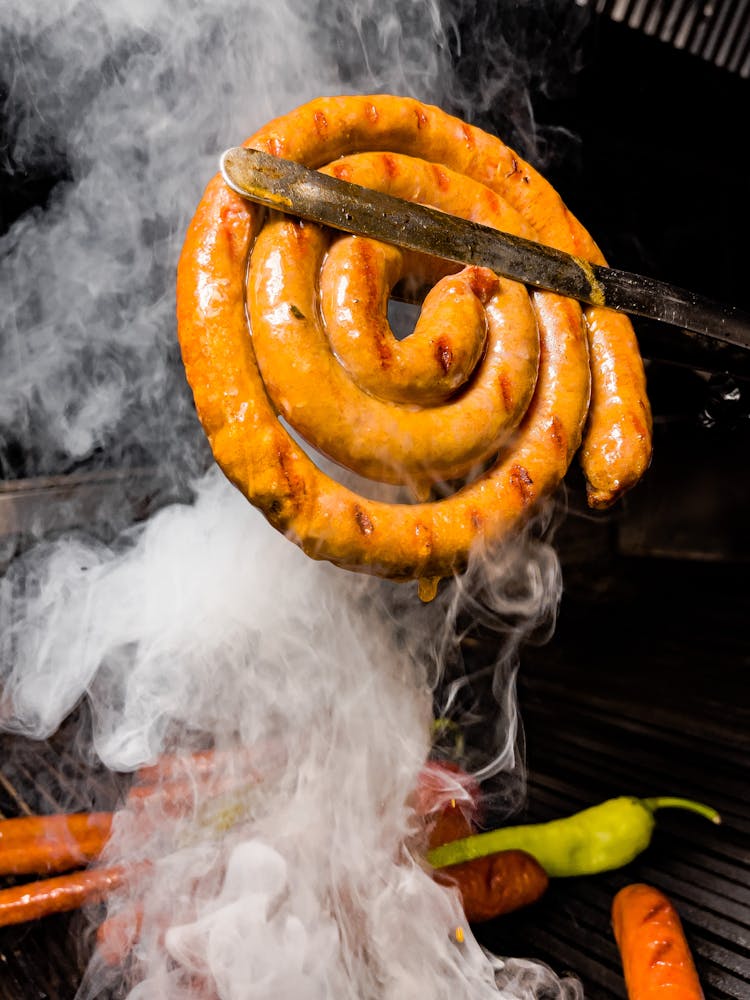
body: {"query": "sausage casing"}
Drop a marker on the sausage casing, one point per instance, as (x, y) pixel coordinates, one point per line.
(656, 958)
(496, 884)
(240, 389)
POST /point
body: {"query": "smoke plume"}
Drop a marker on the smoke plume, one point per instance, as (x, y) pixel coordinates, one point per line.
(201, 626)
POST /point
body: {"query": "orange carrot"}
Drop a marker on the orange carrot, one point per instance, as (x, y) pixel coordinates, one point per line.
(56, 895)
(656, 958)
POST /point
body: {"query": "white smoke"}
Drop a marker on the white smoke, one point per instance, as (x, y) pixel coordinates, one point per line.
(203, 624)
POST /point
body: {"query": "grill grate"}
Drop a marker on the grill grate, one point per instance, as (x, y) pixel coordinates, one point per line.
(642, 692)
(47, 959)
(658, 709)
(715, 30)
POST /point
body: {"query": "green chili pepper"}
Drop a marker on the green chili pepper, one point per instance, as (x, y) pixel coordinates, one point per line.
(595, 840)
(442, 726)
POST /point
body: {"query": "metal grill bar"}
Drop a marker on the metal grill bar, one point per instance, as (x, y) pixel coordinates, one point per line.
(718, 31)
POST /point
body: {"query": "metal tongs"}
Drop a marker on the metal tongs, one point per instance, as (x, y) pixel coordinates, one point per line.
(291, 188)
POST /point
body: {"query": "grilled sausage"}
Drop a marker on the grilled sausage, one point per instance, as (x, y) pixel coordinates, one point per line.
(497, 884)
(656, 959)
(447, 343)
(490, 886)
(21, 903)
(345, 420)
(39, 845)
(240, 382)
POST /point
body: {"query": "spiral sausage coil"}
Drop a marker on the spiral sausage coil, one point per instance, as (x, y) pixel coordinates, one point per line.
(494, 377)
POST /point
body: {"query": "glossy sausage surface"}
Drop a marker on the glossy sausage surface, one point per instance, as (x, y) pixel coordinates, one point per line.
(242, 381)
(44, 844)
(656, 958)
(21, 903)
(497, 884)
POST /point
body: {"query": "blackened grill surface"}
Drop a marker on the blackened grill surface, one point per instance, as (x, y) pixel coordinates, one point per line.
(46, 959)
(642, 691)
(639, 692)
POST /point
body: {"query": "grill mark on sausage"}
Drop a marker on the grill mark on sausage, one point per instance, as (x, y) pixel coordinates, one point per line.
(364, 255)
(321, 124)
(298, 231)
(468, 135)
(370, 285)
(506, 390)
(232, 216)
(444, 354)
(295, 487)
(492, 200)
(639, 426)
(275, 146)
(557, 433)
(483, 283)
(390, 166)
(364, 523)
(371, 113)
(385, 354)
(441, 178)
(477, 521)
(657, 956)
(424, 534)
(421, 117)
(522, 483)
(660, 907)
(342, 171)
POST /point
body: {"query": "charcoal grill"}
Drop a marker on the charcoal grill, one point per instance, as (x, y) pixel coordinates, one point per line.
(642, 689)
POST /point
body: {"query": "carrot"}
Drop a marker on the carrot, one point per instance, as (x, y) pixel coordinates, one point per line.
(40, 845)
(56, 895)
(656, 958)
